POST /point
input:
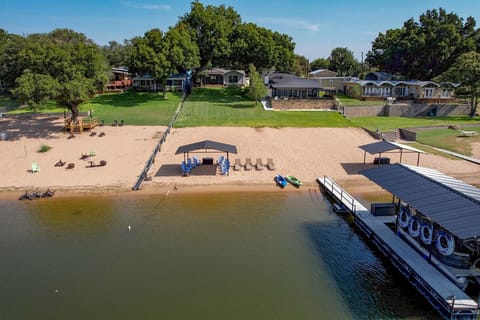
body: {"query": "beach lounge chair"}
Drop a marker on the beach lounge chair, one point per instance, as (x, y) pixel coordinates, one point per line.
(35, 167)
(196, 161)
(60, 163)
(270, 165)
(248, 164)
(259, 164)
(463, 133)
(237, 165)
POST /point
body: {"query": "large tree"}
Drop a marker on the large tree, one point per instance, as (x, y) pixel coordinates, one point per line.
(465, 71)
(424, 49)
(33, 89)
(183, 52)
(343, 62)
(252, 44)
(116, 53)
(224, 41)
(67, 65)
(320, 63)
(302, 66)
(212, 28)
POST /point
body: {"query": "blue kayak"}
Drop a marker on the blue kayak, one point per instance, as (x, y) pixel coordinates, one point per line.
(281, 181)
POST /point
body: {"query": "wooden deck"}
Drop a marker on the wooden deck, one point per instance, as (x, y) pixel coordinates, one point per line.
(441, 292)
(80, 125)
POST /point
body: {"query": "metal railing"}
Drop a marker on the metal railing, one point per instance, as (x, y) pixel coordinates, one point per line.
(340, 193)
(158, 147)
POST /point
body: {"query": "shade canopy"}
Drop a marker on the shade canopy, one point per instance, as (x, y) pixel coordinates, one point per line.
(205, 146)
(385, 146)
(451, 203)
(389, 146)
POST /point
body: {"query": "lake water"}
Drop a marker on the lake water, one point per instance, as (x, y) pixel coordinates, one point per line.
(243, 255)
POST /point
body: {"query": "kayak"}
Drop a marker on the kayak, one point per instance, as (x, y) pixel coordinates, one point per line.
(280, 180)
(297, 183)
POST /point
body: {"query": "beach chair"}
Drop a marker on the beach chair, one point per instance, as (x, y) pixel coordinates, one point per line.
(237, 165)
(248, 164)
(196, 161)
(259, 164)
(35, 167)
(270, 165)
(60, 163)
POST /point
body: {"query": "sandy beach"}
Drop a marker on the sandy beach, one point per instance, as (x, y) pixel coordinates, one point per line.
(307, 153)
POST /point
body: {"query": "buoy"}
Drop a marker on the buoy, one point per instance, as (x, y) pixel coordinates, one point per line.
(129, 227)
(445, 243)
(414, 227)
(404, 217)
(426, 233)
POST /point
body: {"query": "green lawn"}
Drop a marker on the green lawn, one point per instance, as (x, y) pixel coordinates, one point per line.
(389, 123)
(135, 108)
(231, 107)
(447, 139)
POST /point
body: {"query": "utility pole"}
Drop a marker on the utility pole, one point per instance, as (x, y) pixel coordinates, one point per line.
(362, 64)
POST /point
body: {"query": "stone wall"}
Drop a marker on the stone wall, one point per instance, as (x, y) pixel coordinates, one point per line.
(302, 104)
(363, 111)
(422, 110)
(408, 135)
(407, 110)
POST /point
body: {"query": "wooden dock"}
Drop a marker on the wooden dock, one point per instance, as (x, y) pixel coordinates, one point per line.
(441, 292)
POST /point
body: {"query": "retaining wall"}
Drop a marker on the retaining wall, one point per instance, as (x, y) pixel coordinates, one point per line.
(302, 104)
(407, 110)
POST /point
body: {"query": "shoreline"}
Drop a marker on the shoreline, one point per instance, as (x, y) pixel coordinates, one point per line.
(306, 153)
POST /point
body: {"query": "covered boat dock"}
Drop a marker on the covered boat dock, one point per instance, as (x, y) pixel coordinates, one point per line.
(442, 292)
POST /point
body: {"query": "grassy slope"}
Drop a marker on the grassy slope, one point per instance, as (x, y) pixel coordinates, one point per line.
(230, 107)
(134, 108)
(447, 139)
(389, 123)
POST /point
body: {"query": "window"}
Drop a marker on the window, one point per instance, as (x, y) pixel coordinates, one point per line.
(331, 81)
(233, 79)
(428, 92)
(445, 93)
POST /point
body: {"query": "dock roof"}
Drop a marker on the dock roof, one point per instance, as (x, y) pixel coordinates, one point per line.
(449, 202)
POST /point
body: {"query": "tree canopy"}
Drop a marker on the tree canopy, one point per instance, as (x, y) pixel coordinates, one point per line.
(465, 71)
(343, 62)
(257, 89)
(63, 65)
(425, 48)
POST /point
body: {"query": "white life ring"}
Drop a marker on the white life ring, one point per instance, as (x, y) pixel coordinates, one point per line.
(426, 233)
(404, 217)
(445, 243)
(414, 227)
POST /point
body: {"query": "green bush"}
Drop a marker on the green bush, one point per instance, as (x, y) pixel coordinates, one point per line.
(44, 148)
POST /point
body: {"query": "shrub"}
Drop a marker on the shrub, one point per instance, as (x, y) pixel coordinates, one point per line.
(44, 148)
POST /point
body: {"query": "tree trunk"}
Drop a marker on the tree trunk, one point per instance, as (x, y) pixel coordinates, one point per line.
(473, 109)
(75, 112)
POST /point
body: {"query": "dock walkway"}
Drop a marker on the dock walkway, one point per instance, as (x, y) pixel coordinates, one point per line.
(441, 292)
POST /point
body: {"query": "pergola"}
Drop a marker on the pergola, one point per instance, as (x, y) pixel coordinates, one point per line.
(206, 146)
(388, 146)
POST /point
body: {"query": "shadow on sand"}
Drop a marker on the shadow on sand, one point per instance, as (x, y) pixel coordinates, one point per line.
(43, 127)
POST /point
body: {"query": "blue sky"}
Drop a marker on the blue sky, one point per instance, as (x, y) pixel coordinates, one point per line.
(316, 26)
